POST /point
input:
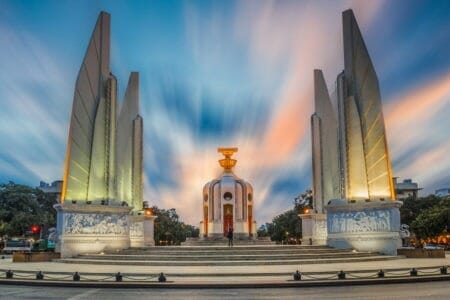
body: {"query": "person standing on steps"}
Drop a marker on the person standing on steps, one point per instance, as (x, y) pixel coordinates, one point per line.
(230, 237)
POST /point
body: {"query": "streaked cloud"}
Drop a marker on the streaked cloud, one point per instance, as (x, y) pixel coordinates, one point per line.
(417, 123)
(221, 74)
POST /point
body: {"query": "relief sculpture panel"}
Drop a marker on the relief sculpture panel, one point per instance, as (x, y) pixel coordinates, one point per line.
(79, 223)
(359, 221)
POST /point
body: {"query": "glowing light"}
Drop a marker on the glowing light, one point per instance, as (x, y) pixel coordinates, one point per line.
(35, 228)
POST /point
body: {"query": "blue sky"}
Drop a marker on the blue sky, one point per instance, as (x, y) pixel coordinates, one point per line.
(224, 73)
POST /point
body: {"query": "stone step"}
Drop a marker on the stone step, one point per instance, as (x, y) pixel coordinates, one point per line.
(228, 257)
(225, 262)
(224, 241)
(229, 252)
(226, 248)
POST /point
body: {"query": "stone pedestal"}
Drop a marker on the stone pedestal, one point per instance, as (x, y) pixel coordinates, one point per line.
(314, 229)
(89, 228)
(149, 235)
(137, 230)
(364, 226)
(142, 230)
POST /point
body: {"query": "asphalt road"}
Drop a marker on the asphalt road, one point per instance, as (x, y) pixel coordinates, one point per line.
(428, 290)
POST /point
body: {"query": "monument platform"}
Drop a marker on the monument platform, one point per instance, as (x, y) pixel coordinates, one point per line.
(226, 276)
(262, 255)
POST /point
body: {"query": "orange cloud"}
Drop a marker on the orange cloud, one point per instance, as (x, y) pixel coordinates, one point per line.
(419, 104)
(417, 124)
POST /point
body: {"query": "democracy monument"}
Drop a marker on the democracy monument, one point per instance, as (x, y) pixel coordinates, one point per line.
(354, 201)
(101, 204)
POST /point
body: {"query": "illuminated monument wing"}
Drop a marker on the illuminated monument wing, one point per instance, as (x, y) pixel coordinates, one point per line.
(369, 176)
(89, 170)
(129, 147)
(103, 168)
(352, 177)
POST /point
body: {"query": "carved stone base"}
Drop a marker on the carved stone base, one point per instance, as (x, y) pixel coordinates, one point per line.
(83, 228)
(364, 226)
(314, 229)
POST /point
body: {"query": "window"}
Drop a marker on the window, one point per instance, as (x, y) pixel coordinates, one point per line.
(227, 196)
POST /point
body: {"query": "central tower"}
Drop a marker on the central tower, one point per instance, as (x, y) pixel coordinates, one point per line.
(227, 203)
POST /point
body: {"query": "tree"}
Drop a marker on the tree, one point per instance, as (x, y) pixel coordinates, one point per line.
(22, 206)
(285, 226)
(169, 229)
(412, 208)
(263, 230)
(431, 222)
(304, 201)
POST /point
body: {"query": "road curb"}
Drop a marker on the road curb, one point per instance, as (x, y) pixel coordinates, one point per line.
(215, 285)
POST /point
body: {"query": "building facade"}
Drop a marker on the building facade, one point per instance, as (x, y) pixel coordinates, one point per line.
(406, 189)
(54, 188)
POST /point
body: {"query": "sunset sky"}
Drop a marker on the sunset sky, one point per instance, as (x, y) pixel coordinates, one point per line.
(224, 73)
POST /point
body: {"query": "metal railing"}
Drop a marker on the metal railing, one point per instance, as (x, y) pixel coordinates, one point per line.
(161, 277)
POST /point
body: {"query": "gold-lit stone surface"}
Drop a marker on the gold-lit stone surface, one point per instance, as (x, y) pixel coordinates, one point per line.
(90, 133)
(364, 101)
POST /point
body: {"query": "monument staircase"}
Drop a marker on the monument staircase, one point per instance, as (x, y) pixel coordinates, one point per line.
(238, 255)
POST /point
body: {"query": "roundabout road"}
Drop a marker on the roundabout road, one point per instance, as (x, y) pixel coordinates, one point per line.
(427, 290)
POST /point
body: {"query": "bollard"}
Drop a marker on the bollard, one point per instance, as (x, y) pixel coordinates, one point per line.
(297, 276)
(39, 275)
(443, 270)
(9, 274)
(341, 275)
(161, 277)
(76, 276)
(413, 272)
(118, 277)
(381, 274)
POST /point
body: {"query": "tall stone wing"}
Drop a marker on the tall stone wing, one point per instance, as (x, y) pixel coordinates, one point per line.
(364, 101)
(81, 175)
(129, 147)
(324, 146)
